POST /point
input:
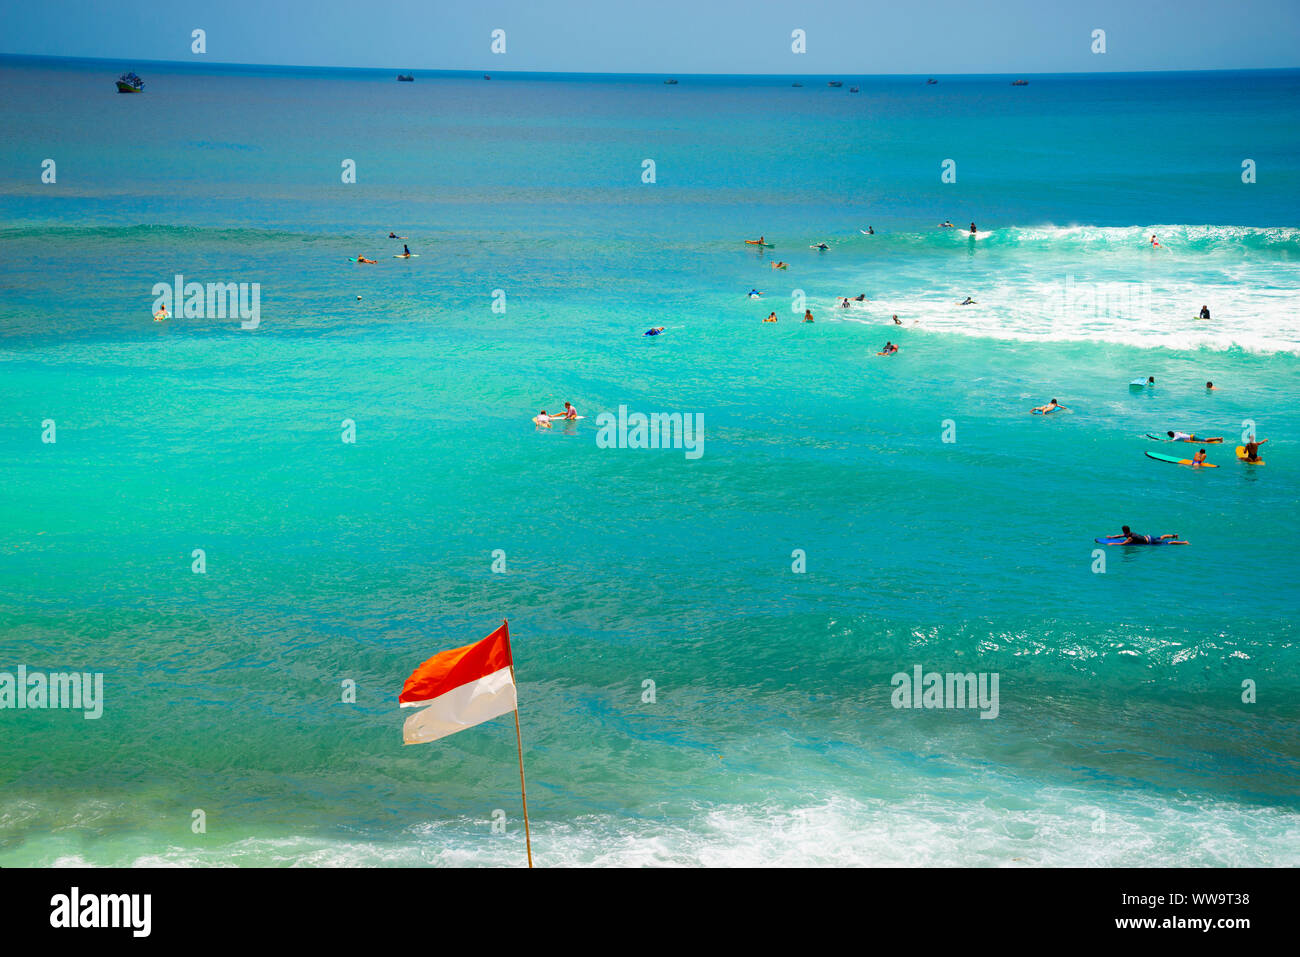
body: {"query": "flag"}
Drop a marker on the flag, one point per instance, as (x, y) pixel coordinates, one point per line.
(460, 688)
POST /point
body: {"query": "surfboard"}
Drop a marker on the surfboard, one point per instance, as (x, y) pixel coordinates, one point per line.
(1139, 382)
(353, 259)
(561, 418)
(755, 242)
(1048, 412)
(1241, 454)
(1177, 461)
(1119, 540)
(412, 256)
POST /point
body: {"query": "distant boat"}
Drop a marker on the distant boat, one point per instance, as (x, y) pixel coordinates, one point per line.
(853, 89)
(834, 83)
(670, 82)
(931, 82)
(1019, 82)
(486, 77)
(129, 83)
(405, 78)
(796, 84)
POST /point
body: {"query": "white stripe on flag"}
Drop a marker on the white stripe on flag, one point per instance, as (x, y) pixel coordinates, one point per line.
(473, 703)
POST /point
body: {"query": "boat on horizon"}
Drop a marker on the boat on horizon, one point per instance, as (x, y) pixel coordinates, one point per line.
(853, 89)
(670, 82)
(129, 83)
(931, 82)
(405, 78)
(1019, 82)
(834, 83)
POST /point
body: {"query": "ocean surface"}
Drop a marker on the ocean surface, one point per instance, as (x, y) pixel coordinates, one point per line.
(1122, 737)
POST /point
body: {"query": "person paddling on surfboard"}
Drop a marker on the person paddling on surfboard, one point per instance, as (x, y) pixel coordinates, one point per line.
(653, 332)
(1132, 538)
(1050, 407)
(889, 349)
(542, 420)
(1198, 459)
(771, 317)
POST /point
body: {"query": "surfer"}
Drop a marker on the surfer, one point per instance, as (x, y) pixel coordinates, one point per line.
(363, 259)
(1198, 459)
(1132, 538)
(973, 230)
(871, 231)
(569, 413)
(755, 294)
(968, 301)
(897, 321)
(1252, 449)
(656, 330)
(406, 250)
(1154, 241)
(1050, 407)
(779, 265)
(771, 317)
(807, 315)
(1205, 312)
(542, 420)
(1181, 436)
(1210, 387)
(860, 297)
(946, 225)
(820, 246)
(889, 349)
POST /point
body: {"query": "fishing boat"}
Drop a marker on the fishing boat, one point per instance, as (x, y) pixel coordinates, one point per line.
(931, 82)
(405, 78)
(1019, 82)
(129, 83)
(834, 83)
(670, 82)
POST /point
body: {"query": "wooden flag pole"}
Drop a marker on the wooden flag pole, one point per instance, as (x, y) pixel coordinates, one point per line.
(523, 791)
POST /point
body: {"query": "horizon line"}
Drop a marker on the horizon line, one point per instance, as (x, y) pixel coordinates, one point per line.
(231, 66)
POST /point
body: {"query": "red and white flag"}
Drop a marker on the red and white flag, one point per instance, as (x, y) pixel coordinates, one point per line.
(460, 688)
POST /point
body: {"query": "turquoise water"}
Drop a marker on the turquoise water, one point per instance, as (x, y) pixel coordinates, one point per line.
(1121, 738)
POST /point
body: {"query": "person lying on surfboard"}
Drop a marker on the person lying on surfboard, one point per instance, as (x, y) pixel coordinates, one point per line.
(654, 331)
(363, 259)
(771, 317)
(779, 265)
(542, 420)
(1132, 538)
(1050, 407)
(889, 349)
(1198, 459)
(1191, 437)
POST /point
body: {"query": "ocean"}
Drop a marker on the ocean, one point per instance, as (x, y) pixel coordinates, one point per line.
(706, 648)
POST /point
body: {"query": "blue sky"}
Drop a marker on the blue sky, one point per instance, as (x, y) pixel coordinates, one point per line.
(673, 36)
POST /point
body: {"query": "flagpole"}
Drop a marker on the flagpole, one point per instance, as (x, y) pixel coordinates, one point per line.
(519, 741)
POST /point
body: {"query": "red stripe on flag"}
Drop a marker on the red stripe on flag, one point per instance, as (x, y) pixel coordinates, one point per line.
(448, 670)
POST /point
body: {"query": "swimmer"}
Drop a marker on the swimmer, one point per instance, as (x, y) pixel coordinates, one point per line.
(1151, 380)
(656, 330)
(808, 316)
(861, 297)
(1205, 312)
(771, 317)
(1154, 241)
(1181, 436)
(1050, 407)
(897, 321)
(755, 294)
(1210, 387)
(392, 235)
(1252, 449)
(844, 303)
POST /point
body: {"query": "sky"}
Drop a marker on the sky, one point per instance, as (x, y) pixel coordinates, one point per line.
(672, 36)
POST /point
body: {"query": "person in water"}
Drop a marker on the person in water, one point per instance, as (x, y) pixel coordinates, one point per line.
(161, 315)
(542, 420)
(973, 230)
(871, 231)
(1252, 449)
(889, 349)
(779, 265)
(569, 413)
(1151, 380)
(393, 236)
(755, 294)
(1198, 459)
(1050, 407)
(656, 330)
(1210, 387)
(897, 321)
(771, 317)
(363, 259)
(1132, 538)
(860, 297)
(406, 250)
(807, 315)
(821, 246)
(1205, 312)
(946, 225)
(969, 302)
(1154, 241)
(1181, 436)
